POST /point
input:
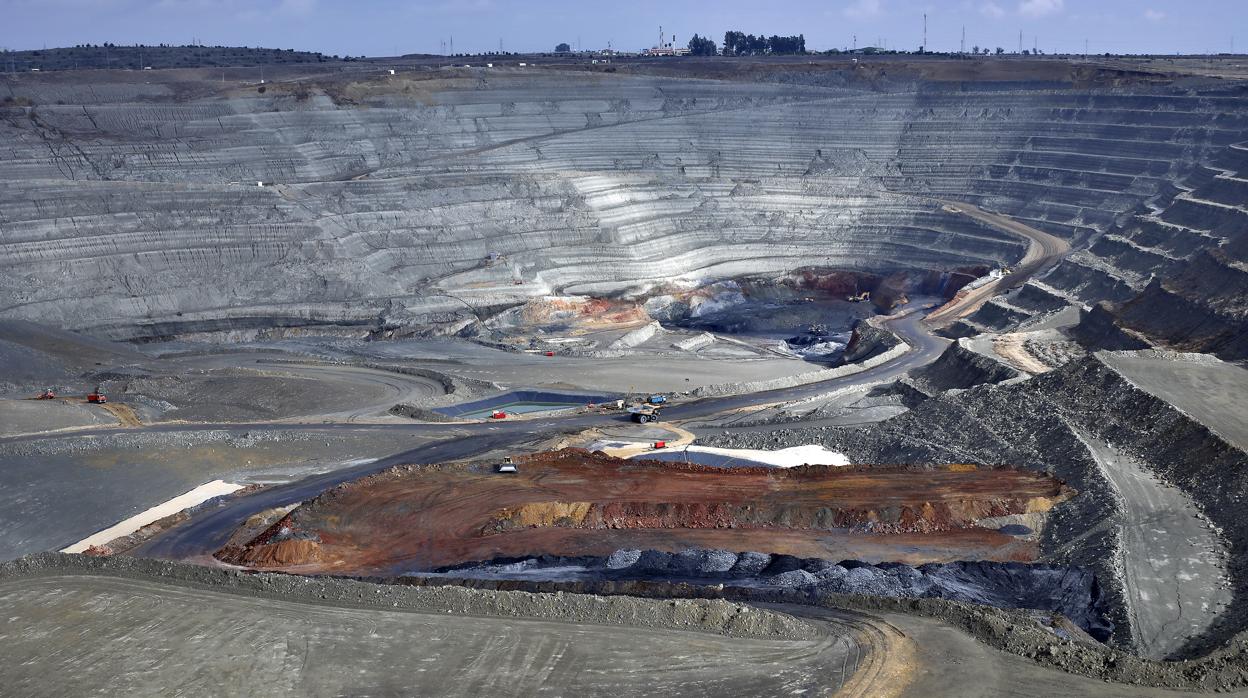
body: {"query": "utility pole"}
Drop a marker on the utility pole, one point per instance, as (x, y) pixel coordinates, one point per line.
(1085, 49)
(924, 32)
(452, 44)
(962, 49)
(1020, 42)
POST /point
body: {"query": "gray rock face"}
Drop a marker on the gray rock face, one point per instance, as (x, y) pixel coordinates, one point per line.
(141, 201)
(1070, 591)
(623, 558)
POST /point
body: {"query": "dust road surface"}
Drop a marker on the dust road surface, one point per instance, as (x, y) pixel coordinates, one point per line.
(1209, 390)
(1043, 251)
(81, 635)
(1172, 562)
(949, 663)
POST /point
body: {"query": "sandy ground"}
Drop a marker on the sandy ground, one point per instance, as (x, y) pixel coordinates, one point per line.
(1210, 391)
(200, 494)
(1172, 562)
(949, 663)
(1010, 347)
(95, 635)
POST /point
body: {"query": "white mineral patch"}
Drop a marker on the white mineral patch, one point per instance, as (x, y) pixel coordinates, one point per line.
(809, 454)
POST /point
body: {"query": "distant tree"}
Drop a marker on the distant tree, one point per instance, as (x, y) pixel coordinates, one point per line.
(1000, 50)
(985, 51)
(699, 46)
(562, 48)
(975, 49)
(740, 44)
(1026, 52)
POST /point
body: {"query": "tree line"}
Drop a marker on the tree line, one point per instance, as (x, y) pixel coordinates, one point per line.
(742, 44)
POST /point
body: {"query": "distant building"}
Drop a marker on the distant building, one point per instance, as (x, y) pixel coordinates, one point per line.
(666, 48)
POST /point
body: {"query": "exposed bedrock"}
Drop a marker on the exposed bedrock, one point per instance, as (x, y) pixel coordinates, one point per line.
(1072, 592)
(1041, 423)
(142, 203)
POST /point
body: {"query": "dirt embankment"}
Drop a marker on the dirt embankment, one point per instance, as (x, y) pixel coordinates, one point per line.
(572, 502)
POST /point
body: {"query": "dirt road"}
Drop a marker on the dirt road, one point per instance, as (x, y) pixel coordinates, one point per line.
(1043, 251)
(1172, 563)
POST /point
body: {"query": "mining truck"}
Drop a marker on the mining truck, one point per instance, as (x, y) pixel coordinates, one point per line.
(643, 413)
(97, 397)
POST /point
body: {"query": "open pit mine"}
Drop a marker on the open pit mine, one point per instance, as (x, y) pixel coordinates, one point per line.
(899, 375)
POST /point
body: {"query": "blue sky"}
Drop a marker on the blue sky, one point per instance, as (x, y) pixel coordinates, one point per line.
(382, 27)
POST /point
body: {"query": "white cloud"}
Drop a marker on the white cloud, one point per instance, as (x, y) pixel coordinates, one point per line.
(1154, 15)
(864, 9)
(1040, 8)
(992, 10)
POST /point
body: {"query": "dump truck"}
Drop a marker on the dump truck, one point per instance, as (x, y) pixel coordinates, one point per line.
(657, 399)
(643, 413)
(97, 397)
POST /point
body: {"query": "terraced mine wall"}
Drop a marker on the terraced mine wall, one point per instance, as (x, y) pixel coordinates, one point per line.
(1171, 272)
(142, 201)
(1033, 424)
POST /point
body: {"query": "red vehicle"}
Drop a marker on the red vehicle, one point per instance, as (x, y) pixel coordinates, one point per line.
(97, 397)
(498, 414)
(47, 395)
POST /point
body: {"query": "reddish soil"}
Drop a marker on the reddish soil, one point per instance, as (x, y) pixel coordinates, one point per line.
(572, 502)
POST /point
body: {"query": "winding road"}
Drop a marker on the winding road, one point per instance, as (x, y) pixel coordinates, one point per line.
(1043, 251)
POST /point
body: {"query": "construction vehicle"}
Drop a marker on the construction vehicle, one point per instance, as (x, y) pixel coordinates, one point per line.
(657, 399)
(97, 397)
(643, 413)
(507, 466)
(47, 394)
(498, 414)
